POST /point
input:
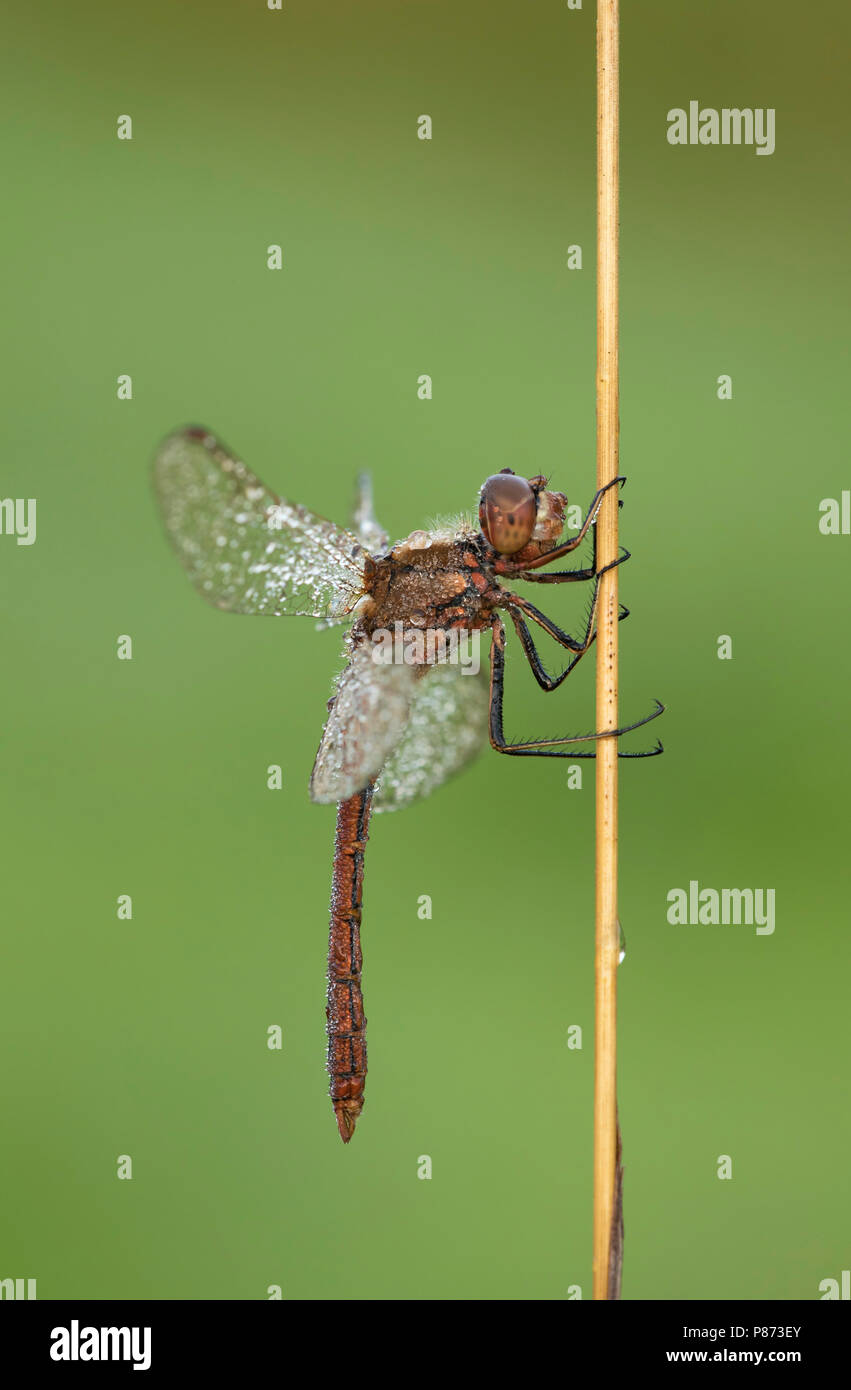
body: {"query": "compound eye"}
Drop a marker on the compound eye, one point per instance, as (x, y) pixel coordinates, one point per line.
(507, 511)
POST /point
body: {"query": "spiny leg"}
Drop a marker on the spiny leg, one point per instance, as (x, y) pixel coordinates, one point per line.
(564, 639)
(544, 748)
(514, 602)
(546, 681)
(574, 576)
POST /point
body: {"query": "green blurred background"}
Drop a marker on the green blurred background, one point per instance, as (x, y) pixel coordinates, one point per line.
(147, 777)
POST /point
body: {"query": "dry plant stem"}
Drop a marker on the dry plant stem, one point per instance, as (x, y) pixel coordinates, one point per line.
(606, 905)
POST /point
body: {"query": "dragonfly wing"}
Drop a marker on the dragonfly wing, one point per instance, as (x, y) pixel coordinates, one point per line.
(447, 728)
(371, 536)
(245, 549)
(367, 717)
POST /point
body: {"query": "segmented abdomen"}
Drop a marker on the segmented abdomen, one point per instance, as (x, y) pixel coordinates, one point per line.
(346, 1020)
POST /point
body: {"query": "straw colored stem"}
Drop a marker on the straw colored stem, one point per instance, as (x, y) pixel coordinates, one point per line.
(606, 905)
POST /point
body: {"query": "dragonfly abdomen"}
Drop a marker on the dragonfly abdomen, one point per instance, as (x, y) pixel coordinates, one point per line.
(346, 1019)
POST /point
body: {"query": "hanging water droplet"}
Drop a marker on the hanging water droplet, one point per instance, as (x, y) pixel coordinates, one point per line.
(622, 940)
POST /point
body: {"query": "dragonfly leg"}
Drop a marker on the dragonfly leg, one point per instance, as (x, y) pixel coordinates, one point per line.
(546, 747)
(516, 605)
(546, 681)
(574, 576)
(564, 639)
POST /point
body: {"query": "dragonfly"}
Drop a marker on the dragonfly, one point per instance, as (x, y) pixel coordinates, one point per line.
(409, 710)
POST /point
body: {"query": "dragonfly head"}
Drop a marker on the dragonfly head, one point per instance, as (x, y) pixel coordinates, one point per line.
(514, 511)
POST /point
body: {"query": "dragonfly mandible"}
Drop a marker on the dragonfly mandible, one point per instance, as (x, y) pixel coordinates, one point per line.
(406, 713)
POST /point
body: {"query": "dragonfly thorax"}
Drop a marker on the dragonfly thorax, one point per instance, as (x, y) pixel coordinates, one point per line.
(431, 581)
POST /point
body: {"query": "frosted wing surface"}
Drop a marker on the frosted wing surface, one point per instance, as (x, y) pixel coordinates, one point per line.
(245, 549)
(367, 718)
(447, 728)
(371, 536)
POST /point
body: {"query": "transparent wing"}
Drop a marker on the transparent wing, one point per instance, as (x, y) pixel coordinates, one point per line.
(367, 530)
(245, 549)
(447, 728)
(367, 716)
(371, 536)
